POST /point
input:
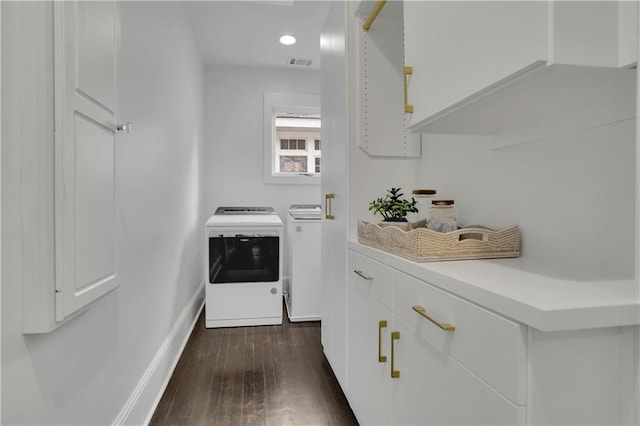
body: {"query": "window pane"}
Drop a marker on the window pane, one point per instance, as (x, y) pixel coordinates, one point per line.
(292, 117)
(317, 144)
(293, 163)
(317, 165)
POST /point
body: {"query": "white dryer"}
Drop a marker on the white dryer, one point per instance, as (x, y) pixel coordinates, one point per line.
(243, 267)
(303, 286)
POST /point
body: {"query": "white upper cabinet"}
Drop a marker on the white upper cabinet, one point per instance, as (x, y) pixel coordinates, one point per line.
(593, 33)
(457, 49)
(464, 53)
(68, 188)
(628, 22)
(86, 35)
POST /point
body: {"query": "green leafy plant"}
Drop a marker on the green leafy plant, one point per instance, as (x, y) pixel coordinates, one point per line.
(392, 207)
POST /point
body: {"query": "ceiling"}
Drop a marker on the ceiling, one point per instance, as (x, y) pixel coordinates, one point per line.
(245, 33)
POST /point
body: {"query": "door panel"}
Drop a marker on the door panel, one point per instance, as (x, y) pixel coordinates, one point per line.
(95, 192)
(96, 46)
(85, 53)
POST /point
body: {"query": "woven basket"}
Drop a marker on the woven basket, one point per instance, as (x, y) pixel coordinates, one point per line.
(424, 245)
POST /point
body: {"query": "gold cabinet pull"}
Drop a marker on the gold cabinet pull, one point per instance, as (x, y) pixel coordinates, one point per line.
(363, 275)
(381, 324)
(373, 15)
(442, 325)
(395, 335)
(328, 209)
(407, 72)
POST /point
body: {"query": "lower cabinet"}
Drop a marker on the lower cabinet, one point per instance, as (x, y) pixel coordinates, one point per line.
(433, 388)
(369, 387)
(419, 355)
(396, 375)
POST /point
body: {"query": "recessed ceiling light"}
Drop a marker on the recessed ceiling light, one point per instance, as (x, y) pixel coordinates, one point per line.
(287, 40)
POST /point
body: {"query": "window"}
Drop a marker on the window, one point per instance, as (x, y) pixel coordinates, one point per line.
(292, 138)
(297, 143)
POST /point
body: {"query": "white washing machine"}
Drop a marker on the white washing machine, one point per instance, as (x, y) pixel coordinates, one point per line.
(303, 295)
(244, 267)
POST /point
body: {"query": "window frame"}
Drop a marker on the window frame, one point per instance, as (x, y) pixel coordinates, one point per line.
(275, 103)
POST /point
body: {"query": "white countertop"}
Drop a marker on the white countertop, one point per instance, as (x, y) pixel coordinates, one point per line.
(530, 292)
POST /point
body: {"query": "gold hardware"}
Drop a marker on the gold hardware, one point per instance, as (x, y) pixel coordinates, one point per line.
(381, 324)
(395, 335)
(373, 15)
(442, 325)
(366, 277)
(328, 213)
(407, 72)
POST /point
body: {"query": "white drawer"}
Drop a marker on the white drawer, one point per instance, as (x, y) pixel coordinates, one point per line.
(491, 346)
(371, 276)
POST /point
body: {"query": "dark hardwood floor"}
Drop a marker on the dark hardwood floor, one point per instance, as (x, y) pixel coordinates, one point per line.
(265, 375)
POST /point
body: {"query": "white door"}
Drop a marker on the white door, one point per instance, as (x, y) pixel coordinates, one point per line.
(334, 183)
(85, 49)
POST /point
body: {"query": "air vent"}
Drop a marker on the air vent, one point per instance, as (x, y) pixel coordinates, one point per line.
(299, 61)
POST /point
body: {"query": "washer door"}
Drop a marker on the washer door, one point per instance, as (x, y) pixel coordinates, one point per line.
(244, 259)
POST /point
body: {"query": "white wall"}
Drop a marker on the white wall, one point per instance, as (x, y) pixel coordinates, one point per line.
(234, 141)
(233, 154)
(383, 173)
(573, 196)
(109, 363)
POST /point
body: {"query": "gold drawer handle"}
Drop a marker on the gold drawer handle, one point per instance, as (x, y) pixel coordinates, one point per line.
(362, 274)
(328, 207)
(381, 324)
(442, 325)
(395, 374)
(407, 72)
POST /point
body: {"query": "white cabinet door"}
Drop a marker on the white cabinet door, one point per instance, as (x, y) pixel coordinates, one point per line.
(335, 128)
(592, 33)
(472, 64)
(628, 30)
(457, 49)
(474, 341)
(86, 46)
(435, 389)
(368, 358)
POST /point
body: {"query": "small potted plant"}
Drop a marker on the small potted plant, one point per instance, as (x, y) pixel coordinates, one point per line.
(393, 208)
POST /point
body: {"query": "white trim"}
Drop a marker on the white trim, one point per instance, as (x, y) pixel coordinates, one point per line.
(637, 177)
(0, 217)
(636, 387)
(155, 379)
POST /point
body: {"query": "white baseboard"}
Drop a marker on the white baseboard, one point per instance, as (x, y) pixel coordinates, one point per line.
(144, 399)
